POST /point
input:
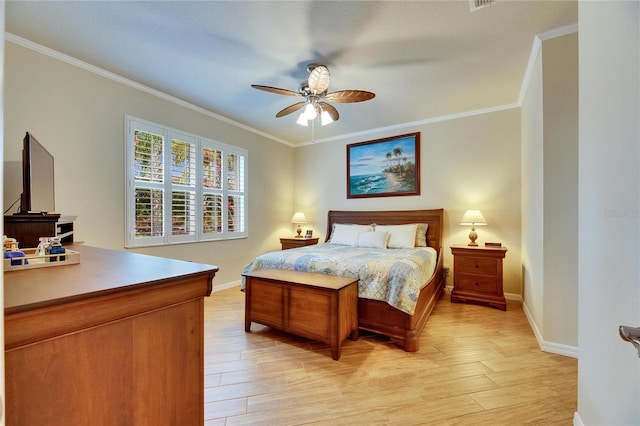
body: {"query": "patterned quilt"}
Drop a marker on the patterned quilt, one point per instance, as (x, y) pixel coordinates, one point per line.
(394, 276)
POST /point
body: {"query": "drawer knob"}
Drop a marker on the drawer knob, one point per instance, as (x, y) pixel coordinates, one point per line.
(477, 283)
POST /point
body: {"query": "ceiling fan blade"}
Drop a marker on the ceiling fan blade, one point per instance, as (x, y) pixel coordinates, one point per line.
(333, 112)
(276, 90)
(348, 96)
(319, 78)
(291, 108)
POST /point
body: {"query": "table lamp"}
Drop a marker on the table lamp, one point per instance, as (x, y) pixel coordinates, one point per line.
(473, 218)
(298, 218)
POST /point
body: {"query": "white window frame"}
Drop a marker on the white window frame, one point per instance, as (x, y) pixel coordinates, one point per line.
(131, 240)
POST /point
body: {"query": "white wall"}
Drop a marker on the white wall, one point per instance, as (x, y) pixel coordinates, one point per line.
(560, 235)
(466, 163)
(609, 212)
(533, 199)
(549, 195)
(79, 117)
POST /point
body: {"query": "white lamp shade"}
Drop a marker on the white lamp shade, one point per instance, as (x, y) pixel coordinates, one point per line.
(302, 120)
(473, 217)
(298, 217)
(325, 118)
(310, 112)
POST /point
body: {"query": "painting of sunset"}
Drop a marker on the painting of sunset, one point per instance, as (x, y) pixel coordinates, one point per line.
(384, 167)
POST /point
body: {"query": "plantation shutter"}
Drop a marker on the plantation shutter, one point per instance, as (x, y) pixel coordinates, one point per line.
(181, 187)
(148, 175)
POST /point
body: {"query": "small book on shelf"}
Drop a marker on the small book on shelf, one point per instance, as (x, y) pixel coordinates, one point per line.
(493, 244)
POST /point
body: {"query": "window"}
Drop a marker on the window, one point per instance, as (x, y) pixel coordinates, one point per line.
(181, 187)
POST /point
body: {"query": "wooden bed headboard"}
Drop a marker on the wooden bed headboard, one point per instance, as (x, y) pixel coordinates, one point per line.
(433, 217)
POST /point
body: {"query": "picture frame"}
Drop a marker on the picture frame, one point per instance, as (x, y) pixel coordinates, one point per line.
(308, 233)
(387, 167)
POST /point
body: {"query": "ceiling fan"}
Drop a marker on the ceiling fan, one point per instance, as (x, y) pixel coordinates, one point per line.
(314, 90)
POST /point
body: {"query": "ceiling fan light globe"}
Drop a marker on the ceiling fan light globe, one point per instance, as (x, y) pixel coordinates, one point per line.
(325, 118)
(310, 112)
(302, 120)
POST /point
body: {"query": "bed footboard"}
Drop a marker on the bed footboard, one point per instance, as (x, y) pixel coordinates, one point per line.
(379, 317)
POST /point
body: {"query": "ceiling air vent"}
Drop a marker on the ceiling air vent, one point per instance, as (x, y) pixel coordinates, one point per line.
(479, 4)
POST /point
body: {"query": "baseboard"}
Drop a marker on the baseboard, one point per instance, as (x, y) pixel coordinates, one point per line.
(532, 324)
(225, 286)
(513, 296)
(554, 348)
(560, 349)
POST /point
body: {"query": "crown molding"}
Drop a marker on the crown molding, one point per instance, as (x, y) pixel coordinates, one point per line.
(533, 56)
(407, 125)
(133, 84)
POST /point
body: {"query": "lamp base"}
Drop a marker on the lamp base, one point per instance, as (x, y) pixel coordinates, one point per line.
(299, 231)
(473, 236)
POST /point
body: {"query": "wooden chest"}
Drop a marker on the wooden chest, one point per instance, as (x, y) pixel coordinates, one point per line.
(317, 306)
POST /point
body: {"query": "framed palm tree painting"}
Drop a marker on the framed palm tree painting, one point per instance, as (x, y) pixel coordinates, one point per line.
(386, 167)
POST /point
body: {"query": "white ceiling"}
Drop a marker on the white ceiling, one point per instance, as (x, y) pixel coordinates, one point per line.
(422, 59)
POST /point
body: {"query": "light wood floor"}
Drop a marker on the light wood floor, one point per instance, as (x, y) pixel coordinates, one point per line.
(476, 366)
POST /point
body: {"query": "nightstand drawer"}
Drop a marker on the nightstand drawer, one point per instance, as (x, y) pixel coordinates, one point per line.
(474, 265)
(477, 283)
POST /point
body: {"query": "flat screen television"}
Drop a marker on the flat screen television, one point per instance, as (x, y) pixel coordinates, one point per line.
(38, 195)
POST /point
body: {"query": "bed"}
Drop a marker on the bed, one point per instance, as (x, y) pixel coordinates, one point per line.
(403, 312)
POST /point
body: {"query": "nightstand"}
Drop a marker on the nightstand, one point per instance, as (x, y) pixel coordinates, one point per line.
(477, 275)
(289, 243)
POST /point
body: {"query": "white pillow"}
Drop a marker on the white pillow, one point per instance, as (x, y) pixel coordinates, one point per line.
(347, 234)
(400, 236)
(372, 240)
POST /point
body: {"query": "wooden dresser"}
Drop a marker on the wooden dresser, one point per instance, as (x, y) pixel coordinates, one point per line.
(477, 275)
(117, 339)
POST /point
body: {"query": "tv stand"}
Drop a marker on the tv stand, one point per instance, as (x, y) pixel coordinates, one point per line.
(35, 214)
(28, 228)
